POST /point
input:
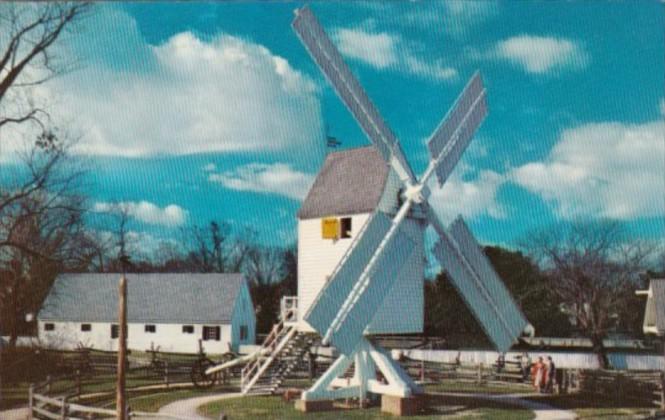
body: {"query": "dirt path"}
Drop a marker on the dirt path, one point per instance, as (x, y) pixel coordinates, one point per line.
(541, 410)
(187, 408)
(15, 414)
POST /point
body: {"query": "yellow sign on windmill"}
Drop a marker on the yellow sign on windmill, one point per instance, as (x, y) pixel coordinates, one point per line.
(330, 228)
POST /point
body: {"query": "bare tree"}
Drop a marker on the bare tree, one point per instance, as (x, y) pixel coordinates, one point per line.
(29, 33)
(216, 248)
(264, 265)
(594, 269)
(41, 233)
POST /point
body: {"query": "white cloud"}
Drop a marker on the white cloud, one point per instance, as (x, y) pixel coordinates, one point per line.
(538, 55)
(470, 198)
(375, 49)
(605, 169)
(455, 17)
(145, 211)
(187, 95)
(383, 50)
(277, 178)
(210, 167)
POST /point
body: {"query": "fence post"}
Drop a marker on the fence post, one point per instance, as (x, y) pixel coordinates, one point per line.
(48, 384)
(422, 368)
(31, 390)
(662, 391)
(121, 401)
(166, 373)
(78, 382)
(63, 409)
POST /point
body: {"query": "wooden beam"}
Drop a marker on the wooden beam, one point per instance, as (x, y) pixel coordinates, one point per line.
(121, 402)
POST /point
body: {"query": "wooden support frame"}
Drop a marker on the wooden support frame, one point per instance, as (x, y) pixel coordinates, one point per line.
(368, 360)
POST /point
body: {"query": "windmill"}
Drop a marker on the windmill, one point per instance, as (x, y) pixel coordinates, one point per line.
(358, 286)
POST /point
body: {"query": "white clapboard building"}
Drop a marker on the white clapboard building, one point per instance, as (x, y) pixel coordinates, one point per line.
(168, 311)
(351, 185)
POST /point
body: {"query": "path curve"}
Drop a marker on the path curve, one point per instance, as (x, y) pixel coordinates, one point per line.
(187, 408)
(22, 413)
(541, 410)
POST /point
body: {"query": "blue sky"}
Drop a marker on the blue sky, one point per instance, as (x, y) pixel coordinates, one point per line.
(191, 112)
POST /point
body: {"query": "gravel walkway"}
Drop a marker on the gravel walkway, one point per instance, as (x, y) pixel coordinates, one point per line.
(187, 408)
(15, 414)
(541, 410)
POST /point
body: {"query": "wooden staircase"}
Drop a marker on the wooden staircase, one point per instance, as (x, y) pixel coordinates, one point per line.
(282, 351)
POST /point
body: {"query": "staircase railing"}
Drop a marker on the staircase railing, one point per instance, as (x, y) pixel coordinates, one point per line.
(279, 336)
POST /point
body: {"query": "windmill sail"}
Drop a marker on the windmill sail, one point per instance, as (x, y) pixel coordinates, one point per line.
(454, 134)
(330, 299)
(352, 320)
(331, 63)
(504, 302)
(482, 290)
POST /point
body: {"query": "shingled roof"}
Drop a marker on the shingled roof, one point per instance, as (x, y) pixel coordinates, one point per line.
(158, 298)
(350, 182)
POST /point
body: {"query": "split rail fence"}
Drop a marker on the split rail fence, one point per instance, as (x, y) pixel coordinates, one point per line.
(643, 388)
(91, 378)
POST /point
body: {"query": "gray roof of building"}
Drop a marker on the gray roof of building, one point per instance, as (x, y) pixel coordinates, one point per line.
(158, 298)
(350, 182)
(658, 290)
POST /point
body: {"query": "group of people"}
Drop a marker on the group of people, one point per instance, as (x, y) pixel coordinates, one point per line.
(543, 373)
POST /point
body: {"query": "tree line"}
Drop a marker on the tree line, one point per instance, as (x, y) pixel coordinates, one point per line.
(577, 278)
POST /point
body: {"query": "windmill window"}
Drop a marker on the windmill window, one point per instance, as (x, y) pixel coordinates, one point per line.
(49, 326)
(150, 328)
(243, 332)
(115, 331)
(211, 333)
(188, 329)
(86, 327)
(345, 227)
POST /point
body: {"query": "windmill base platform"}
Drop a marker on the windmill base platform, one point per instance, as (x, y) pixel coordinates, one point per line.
(399, 393)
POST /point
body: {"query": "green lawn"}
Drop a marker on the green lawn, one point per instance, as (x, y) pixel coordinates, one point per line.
(471, 388)
(593, 407)
(16, 394)
(273, 407)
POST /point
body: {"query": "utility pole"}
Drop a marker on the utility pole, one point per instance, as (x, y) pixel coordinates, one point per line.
(121, 402)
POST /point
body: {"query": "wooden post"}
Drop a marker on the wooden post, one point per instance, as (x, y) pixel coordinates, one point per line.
(78, 382)
(31, 391)
(662, 391)
(63, 409)
(166, 373)
(121, 403)
(662, 381)
(48, 384)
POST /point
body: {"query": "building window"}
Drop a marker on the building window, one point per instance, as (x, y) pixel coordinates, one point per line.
(49, 326)
(86, 327)
(211, 333)
(150, 328)
(115, 330)
(188, 329)
(345, 227)
(243, 332)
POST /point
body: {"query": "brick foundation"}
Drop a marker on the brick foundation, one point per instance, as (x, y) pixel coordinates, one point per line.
(313, 406)
(399, 406)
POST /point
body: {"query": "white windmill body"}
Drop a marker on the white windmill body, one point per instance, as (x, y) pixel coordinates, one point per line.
(351, 287)
(352, 185)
